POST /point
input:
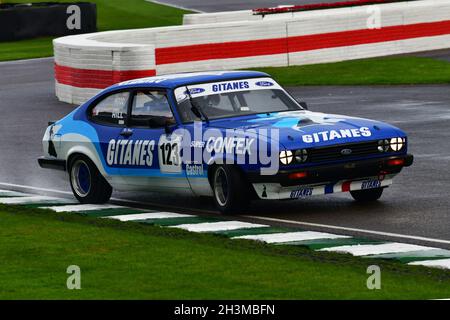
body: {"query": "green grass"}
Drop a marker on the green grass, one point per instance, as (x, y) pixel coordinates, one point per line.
(375, 71)
(134, 261)
(111, 15)
(26, 49)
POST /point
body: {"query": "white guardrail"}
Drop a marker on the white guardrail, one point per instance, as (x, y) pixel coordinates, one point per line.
(86, 63)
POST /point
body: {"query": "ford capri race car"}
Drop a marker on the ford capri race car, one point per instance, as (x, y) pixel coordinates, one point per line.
(235, 136)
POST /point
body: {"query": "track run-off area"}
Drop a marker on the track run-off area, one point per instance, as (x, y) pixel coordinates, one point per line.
(414, 209)
(236, 229)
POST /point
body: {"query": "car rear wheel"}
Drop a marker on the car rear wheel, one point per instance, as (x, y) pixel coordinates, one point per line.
(367, 195)
(87, 184)
(231, 190)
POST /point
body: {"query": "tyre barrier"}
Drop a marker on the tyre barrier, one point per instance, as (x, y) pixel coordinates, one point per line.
(84, 64)
(26, 21)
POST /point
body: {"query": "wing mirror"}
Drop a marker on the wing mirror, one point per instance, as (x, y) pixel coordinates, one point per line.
(303, 104)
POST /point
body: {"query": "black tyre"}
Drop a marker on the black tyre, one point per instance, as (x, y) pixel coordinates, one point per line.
(231, 190)
(87, 184)
(367, 195)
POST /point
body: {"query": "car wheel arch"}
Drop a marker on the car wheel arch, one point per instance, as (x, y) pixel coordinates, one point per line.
(214, 165)
(87, 150)
(75, 154)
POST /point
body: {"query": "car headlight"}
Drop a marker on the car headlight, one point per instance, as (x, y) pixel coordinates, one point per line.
(286, 157)
(301, 155)
(384, 145)
(394, 144)
(397, 144)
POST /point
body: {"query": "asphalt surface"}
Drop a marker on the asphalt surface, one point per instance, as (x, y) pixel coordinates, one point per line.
(417, 204)
(227, 5)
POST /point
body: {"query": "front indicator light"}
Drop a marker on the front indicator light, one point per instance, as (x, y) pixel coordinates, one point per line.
(298, 175)
(286, 157)
(396, 162)
(397, 144)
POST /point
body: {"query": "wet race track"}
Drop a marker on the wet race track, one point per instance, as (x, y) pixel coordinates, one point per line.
(416, 205)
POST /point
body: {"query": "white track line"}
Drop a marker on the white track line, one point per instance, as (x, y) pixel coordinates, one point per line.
(14, 193)
(33, 200)
(13, 185)
(440, 263)
(175, 6)
(218, 226)
(24, 61)
(379, 233)
(300, 223)
(291, 236)
(371, 249)
(150, 215)
(84, 207)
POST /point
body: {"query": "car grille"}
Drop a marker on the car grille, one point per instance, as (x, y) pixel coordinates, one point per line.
(334, 153)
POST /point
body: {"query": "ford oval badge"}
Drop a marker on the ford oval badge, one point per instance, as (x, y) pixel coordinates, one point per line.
(195, 90)
(264, 84)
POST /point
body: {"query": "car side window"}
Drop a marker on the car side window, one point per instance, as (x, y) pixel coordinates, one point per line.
(112, 109)
(151, 108)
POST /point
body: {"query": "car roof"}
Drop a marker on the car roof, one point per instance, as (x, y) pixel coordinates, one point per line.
(181, 79)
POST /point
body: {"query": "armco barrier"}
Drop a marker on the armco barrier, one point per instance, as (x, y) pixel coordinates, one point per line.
(86, 63)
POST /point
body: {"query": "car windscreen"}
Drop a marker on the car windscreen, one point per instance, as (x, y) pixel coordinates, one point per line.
(233, 98)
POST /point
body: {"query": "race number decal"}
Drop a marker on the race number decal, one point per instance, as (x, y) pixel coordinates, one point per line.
(169, 154)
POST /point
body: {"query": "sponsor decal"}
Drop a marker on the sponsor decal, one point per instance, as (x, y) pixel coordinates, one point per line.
(195, 91)
(213, 88)
(238, 145)
(346, 152)
(130, 152)
(117, 115)
(370, 184)
(169, 154)
(227, 86)
(336, 134)
(194, 170)
(197, 144)
(303, 192)
(264, 84)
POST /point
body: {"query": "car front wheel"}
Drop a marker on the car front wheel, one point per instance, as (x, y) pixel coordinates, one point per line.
(367, 195)
(231, 190)
(87, 184)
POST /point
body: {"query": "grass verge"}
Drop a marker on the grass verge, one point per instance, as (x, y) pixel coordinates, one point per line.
(134, 261)
(111, 15)
(374, 71)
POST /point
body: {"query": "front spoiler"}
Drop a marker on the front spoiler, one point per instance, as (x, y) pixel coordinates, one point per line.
(349, 170)
(275, 191)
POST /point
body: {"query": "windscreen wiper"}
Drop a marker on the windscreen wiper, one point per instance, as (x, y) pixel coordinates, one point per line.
(195, 107)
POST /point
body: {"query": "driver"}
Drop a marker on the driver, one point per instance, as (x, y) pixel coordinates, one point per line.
(212, 101)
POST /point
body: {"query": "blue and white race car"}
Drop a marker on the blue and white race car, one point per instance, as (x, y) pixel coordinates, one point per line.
(235, 136)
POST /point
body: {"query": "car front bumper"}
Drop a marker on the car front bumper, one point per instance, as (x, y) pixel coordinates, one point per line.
(316, 180)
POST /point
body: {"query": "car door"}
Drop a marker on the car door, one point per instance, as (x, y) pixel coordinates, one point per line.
(108, 116)
(153, 159)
